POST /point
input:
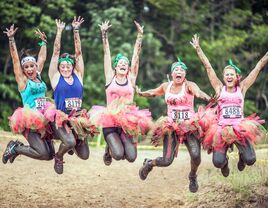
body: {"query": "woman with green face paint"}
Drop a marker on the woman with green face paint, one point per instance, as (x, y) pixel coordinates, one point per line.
(179, 126)
(121, 120)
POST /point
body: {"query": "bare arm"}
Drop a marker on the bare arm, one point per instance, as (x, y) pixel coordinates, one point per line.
(159, 91)
(197, 92)
(250, 79)
(79, 65)
(108, 70)
(214, 80)
(19, 76)
(42, 55)
(134, 69)
(53, 66)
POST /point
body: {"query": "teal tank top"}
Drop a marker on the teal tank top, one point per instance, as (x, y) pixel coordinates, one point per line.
(32, 92)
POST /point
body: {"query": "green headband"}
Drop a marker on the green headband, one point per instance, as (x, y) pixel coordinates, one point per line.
(178, 63)
(67, 59)
(117, 58)
(238, 71)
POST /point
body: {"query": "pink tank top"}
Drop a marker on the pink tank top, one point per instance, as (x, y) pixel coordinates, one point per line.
(230, 106)
(180, 106)
(115, 91)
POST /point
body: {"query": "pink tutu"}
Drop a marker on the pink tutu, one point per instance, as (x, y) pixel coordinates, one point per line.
(24, 119)
(121, 114)
(197, 125)
(218, 136)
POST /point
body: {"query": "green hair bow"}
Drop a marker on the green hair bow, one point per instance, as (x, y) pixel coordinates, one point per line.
(67, 59)
(178, 63)
(117, 58)
(238, 71)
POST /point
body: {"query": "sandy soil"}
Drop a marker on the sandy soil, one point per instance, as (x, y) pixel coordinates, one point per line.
(33, 183)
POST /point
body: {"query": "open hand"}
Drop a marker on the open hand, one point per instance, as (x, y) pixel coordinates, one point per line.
(11, 31)
(104, 26)
(195, 41)
(77, 22)
(60, 25)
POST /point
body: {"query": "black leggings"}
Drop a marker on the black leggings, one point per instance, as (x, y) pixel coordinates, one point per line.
(81, 149)
(247, 154)
(38, 148)
(120, 144)
(169, 150)
(68, 140)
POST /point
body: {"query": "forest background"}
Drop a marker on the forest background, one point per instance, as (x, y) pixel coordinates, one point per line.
(227, 28)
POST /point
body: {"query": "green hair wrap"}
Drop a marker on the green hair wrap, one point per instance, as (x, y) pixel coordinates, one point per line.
(178, 63)
(234, 66)
(117, 58)
(67, 59)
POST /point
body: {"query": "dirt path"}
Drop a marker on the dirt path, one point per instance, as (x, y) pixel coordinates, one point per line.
(32, 183)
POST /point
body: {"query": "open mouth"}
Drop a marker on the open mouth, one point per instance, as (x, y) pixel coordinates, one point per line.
(229, 80)
(122, 69)
(178, 77)
(30, 74)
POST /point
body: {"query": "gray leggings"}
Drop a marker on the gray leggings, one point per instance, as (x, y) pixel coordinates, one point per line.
(169, 150)
(38, 148)
(120, 144)
(69, 142)
(247, 154)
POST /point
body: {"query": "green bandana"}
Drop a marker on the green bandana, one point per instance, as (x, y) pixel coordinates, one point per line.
(178, 63)
(117, 58)
(67, 59)
(238, 71)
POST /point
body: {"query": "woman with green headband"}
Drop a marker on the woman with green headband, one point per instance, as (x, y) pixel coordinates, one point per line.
(66, 76)
(121, 120)
(181, 124)
(231, 127)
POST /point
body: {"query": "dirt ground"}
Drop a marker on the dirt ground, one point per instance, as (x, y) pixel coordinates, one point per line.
(33, 183)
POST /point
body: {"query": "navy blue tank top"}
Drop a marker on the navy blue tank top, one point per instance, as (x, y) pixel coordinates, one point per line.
(68, 97)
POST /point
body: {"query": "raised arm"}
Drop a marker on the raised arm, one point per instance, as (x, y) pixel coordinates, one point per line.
(108, 70)
(250, 79)
(197, 92)
(134, 69)
(214, 80)
(53, 66)
(20, 77)
(159, 91)
(42, 55)
(79, 62)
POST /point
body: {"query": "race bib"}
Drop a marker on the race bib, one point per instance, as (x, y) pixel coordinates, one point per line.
(178, 115)
(232, 112)
(73, 103)
(40, 103)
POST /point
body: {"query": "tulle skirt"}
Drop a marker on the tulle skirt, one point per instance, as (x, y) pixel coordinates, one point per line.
(127, 116)
(25, 118)
(197, 125)
(221, 135)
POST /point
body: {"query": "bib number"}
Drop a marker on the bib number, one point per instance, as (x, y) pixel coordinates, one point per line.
(40, 103)
(232, 112)
(73, 103)
(180, 115)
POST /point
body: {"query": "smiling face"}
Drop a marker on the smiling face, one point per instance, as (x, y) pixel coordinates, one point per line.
(178, 75)
(122, 67)
(66, 69)
(30, 70)
(230, 77)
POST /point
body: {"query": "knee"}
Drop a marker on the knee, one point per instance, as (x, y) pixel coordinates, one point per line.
(219, 161)
(250, 160)
(70, 142)
(196, 159)
(117, 154)
(167, 161)
(131, 157)
(84, 155)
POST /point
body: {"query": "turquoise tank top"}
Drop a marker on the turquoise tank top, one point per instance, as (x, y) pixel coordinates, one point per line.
(32, 92)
